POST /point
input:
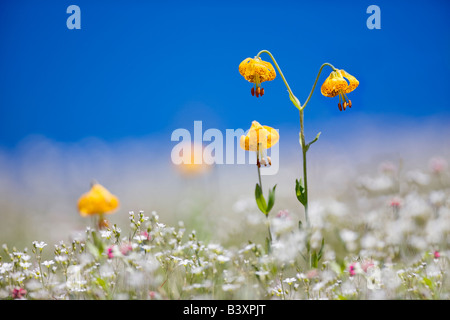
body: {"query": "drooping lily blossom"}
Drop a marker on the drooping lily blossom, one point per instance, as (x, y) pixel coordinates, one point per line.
(259, 138)
(97, 201)
(257, 71)
(336, 85)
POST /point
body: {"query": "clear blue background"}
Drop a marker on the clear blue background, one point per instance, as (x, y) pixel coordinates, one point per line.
(138, 68)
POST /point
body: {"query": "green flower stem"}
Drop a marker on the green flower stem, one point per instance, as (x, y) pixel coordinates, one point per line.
(297, 104)
(279, 70)
(304, 146)
(258, 164)
(305, 175)
(315, 82)
(38, 258)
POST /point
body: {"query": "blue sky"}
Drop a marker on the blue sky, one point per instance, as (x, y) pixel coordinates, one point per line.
(144, 68)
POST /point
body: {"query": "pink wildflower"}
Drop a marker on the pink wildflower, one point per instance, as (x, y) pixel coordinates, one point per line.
(437, 255)
(352, 270)
(146, 235)
(366, 265)
(396, 203)
(18, 293)
(283, 214)
(125, 248)
(312, 274)
(387, 167)
(438, 164)
(110, 252)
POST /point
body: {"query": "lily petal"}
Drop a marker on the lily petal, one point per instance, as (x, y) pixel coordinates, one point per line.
(333, 85)
(353, 82)
(259, 138)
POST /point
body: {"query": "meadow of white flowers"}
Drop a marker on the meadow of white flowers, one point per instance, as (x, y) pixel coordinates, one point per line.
(389, 241)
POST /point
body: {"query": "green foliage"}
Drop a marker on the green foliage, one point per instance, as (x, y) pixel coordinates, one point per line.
(264, 206)
(316, 256)
(300, 192)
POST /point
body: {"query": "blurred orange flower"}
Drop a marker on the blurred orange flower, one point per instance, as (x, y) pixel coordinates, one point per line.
(97, 201)
(189, 168)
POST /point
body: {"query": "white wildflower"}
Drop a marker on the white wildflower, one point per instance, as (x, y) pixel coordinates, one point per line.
(39, 245)
(262, 274)
(6, 267)
(26, 257)
(374, 278)
(290, 281)
(230, 287)
(197, 270)
(160, 225)
(75, 280)
(348, 235)
(140, 237)
(48, 263)
(106, 234)
(25, 265)
(418, 177)
(60, 258)
(185, 262)
(438, 198)
(223, 259)
(217, 248)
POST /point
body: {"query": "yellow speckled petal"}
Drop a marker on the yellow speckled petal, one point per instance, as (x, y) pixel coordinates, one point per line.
(259, 137)
(244, 143)
(333, 85)
(353, 82)
(272, 136)
(243, 66)
(256, 70)
(267, 72)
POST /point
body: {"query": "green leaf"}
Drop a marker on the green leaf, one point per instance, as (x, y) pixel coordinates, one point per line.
(93, 249)
(319, 255)
(260, 201)
(315, 257)
(98, 242)
(303, 256)
(338, 266)
(271, 201)
(428, 282)
(315, 139)
(102, 283)
(314, 260)
(300, 191)
(295, 101)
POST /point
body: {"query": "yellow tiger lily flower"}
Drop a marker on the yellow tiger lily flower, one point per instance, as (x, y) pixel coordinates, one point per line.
(260, 138)
(335, 85)
(97, 201)
(257, 71)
